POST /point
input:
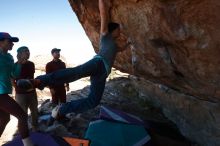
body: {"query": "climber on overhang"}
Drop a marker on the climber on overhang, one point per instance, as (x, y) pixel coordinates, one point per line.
(98, 68)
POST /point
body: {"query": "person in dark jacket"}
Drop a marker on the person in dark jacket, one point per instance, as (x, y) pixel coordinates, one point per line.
(58, 92)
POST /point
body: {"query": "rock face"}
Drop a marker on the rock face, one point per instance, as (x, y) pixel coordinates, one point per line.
(198, 120)
(175, 43)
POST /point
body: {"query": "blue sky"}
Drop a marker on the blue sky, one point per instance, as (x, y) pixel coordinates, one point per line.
(44, 24)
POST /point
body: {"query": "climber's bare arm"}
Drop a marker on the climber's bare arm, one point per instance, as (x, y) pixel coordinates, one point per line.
(104, 14)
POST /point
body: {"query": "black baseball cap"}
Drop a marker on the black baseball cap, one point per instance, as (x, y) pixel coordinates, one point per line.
(5, 35)
(55, 50)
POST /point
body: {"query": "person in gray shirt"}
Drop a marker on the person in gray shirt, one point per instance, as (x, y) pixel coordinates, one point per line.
(98, 68)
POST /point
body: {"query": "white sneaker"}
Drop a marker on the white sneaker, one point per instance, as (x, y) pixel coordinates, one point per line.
(55, 111)
(27, 142)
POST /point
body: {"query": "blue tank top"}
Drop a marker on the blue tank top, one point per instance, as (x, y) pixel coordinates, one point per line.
(107, 51)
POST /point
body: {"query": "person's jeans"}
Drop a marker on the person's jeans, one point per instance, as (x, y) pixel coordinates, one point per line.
(9, 106)
(95, 69)
(58, 94)
(29, 100)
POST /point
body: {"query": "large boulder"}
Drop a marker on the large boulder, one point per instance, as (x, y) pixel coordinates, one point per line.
(175, 43)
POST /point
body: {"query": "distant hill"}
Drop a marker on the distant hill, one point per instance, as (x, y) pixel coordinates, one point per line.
(41, 61)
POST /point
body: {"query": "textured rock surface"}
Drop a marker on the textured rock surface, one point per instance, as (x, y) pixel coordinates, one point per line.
(198, 120)
(175, 43)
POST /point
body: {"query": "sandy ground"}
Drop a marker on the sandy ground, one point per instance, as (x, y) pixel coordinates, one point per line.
(42, 95)
(9, 130)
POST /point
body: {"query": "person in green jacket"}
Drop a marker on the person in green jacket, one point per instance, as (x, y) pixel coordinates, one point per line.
(9, 70)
